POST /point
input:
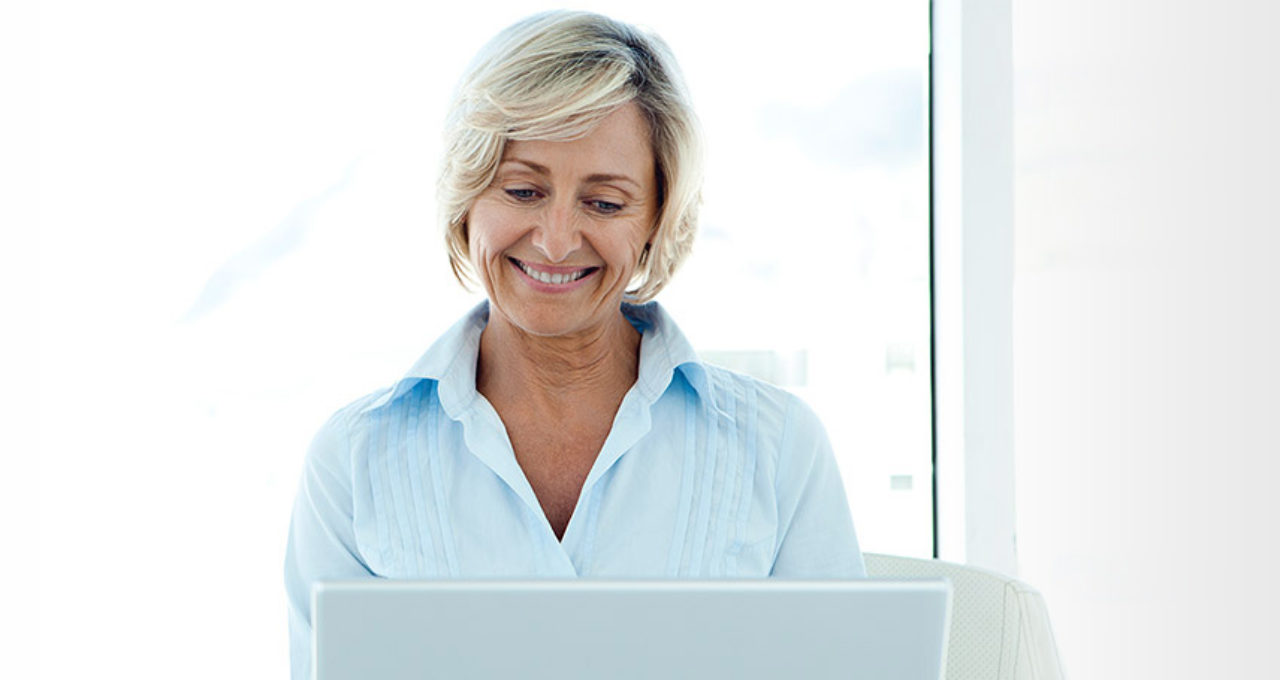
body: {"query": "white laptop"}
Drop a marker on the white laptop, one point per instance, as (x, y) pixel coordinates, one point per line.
(569, 629)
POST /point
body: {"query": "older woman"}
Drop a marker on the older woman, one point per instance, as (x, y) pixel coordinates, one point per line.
(565, 428)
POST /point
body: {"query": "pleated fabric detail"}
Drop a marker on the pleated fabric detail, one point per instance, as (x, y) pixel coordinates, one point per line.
(674, 563)
(746, 482)
(444, 522)
(407, 487)
(718, 477)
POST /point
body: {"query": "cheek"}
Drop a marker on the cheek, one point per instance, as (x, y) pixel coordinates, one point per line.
(489, 232)
(641, 236)
(624, 251)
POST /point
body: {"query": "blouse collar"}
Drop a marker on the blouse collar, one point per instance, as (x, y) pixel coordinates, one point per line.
(451, 360)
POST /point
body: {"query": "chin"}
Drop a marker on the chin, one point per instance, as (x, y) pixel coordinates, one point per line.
(541, 320)
(551, 316)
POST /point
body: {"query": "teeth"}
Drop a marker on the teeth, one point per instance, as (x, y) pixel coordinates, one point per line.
(554, 279)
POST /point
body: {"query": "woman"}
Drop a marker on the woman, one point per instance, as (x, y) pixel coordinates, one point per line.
(563, 429)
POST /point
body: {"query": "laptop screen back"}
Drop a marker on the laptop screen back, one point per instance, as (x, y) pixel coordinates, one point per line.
(397, 630)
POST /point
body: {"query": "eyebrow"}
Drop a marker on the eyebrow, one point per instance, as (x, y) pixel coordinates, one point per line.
(596, 177)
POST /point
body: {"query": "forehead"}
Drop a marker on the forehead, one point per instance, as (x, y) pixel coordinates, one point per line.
(619, 144)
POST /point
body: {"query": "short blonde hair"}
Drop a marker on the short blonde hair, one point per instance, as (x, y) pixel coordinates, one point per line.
(554, 76)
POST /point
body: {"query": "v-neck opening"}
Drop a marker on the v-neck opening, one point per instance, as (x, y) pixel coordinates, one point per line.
(625, 430)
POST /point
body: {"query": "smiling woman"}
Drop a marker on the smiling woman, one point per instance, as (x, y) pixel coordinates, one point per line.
(565, 427)
(558, 236)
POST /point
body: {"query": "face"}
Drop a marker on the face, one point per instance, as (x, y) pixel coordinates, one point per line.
(557, 236)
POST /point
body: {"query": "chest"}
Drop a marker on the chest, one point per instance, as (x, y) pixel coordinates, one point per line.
(434, 499)
(556, 459)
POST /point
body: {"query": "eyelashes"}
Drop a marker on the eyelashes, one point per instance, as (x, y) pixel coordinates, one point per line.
(605, 207)
(522, 195)
(529, 196)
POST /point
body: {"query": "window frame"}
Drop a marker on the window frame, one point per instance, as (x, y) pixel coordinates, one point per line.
(971, 240)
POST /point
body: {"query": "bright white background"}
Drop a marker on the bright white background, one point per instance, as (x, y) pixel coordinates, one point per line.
(237, 237)
(1146, 328)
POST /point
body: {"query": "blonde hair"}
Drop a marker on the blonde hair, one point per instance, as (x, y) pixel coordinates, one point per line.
(554, 76)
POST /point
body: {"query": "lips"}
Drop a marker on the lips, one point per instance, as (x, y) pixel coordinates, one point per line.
(552, 275)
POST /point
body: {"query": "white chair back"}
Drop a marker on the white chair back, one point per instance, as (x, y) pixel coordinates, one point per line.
(999, 626)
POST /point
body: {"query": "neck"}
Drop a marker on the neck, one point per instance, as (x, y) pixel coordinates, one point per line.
(557, 372)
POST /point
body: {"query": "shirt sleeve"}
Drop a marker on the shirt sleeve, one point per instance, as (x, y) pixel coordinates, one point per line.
(816, 536)
(322, 542)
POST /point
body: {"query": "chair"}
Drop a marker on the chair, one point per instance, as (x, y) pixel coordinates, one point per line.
(999, 626)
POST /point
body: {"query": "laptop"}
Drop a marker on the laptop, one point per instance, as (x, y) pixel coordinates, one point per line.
(402, 630)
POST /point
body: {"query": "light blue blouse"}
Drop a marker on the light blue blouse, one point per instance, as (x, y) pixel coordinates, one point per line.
(706, 473)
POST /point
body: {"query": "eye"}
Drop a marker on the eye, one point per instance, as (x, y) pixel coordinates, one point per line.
(604, 207)
(522, 195)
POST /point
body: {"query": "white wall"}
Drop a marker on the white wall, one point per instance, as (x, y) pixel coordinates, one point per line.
(1146, 331)
(19, 467)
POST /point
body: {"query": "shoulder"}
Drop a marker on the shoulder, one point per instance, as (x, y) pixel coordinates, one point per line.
(358, 411)
(331, 446)
(727, 383)
(775, 413)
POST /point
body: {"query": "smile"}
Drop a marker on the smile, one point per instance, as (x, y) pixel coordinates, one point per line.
(556, 276)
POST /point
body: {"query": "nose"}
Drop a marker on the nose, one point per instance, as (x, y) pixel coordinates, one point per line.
(557, 232)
